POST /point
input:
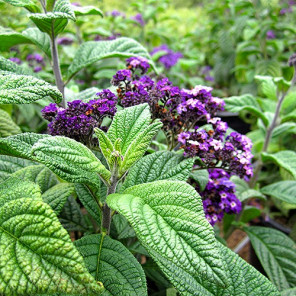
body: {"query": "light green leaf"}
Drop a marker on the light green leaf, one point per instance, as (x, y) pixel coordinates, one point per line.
(21, 89)
(71, 217)
(40, 39)
(37, 255)
(284, 129)
(57, 195)
(268, 87)
(89, 201)
(30, 5)
(128, 123)
(57, 19)
(123, 229)
(245, 279)
(169, 221)
(138, 146)
(7, 65)
(201, 177)
(7, 125)
(92, 51)
(87, 94)
(111, 263)
(283, 190)
(285, 159)
(163, 165)
(289, 292)
(277, 254)
(70, 160)
(87, 10)
(9, 38)
(245, 102)
(20, 145)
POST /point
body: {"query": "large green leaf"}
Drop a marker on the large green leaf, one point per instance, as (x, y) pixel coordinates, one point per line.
(245, 102)
(285, 159)
(20, 145)
(112, 264)
(37, 255)
(277, 254)
(201, 177)
(92, 51)
(168, 219)
(7, 65)
(30, 5)
(87, 10)
(22, 89)
(284, 129)
(70, 160)
(9, 38)
(40, 39)
(245, 279)
(56, 20)
(162, 165)
(7, 125)
(283, 190)
(57, 195)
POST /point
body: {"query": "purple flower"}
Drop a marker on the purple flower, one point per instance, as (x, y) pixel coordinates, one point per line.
(121, 76)
(139, 19)
(138, 63)
(35, 61)
(106, 38)
(37, 69)
(15, 60)
(49, 112)
(116, 13)
(65, 41)
(270, 34)
(169, 58)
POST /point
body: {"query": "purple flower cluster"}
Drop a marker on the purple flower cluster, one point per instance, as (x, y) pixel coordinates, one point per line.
(79, 119)
(106, 38)
(36, 61)
(219, 196)
(231, 153)
(270, 35)
(141, 63)
(206, 73)
(116, 13)
(65, 41)
(15, 60)
(138, 18)
(169, 57)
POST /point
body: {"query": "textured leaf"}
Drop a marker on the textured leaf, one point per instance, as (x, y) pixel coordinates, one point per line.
(163, 165)
(22, 89)
(245, 102)
(289, 292)
(123, 229)
(57, 195)
(71, 216)
(201, 177)
(277, 254)
(92, 51)
(245, 279)
(20, 145)
(7, 125)
(89, 201)
(7, 65)
(87, 10)
(285, 159)
(37, 255)
(57, 19)
(268, 87)
(38, 174)
(169, 221)
(111, 263)
(283, 190)
(30, 5)
(14, 188)
(9, 165)
(9, 38)
(40, 39)
(70, 160)
(284, 129)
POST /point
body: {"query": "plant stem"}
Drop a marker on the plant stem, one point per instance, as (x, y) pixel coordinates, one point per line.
(56, 65)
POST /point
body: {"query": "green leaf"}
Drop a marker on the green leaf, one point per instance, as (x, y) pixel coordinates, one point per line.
(7, 125)
(7, 65)
(285, 159)
(283, 190)
(40, 39)
(89, 201)
(71, 217)
(22, 89)
(92, 51)
(87, 94)
(70, 160)
(30, 5)
(9, 38)
(245, 279)
(20, 145)
(169, 221)
(162, 165)
(37, 255)
(245, 102)
(289, 292)
(201, 177)
(87, 10)
(111, 263)
(277, 254)
(138, 146)
(249, 213)
(268, 87)
(57, 195)
(284, 129)
(57, 19)
(123, 229)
